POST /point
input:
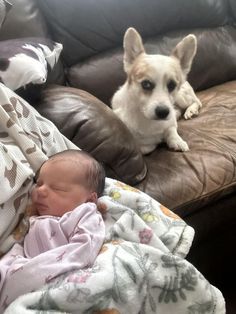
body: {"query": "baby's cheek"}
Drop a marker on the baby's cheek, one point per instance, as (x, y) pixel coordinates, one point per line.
(34, 194)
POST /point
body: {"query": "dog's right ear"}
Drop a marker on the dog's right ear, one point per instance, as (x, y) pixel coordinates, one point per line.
(133, 47)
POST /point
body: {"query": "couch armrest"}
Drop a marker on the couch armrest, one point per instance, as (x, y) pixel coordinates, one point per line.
(93, 126)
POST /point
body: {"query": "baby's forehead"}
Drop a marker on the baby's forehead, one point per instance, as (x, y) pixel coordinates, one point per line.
(77, 165)
(69, 159)
(61, 169)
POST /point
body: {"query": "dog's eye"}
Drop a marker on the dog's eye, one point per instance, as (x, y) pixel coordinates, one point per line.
(147, 85)
(171, 85)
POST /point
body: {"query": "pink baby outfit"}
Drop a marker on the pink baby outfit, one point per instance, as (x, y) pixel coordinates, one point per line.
(83, 226)
(53, 246)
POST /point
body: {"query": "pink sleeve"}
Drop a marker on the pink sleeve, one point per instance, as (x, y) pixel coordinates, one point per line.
(87, 236)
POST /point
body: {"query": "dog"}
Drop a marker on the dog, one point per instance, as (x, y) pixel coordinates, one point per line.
(155, 92)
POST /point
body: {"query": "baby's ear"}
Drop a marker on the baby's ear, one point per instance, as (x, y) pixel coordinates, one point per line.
(93, 198)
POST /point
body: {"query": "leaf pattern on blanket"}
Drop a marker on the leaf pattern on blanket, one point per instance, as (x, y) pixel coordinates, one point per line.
(143, 279)
(10, 174)
(140, 268)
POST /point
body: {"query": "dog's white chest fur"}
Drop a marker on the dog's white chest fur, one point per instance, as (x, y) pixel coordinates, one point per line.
(147, 132)
(155, 83)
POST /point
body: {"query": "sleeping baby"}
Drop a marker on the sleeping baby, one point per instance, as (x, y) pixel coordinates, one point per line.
(66, 230)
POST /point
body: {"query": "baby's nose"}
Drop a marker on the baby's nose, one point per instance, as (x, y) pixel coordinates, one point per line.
(42, 190)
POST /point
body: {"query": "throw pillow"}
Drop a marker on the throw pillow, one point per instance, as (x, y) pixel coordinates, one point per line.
(27, 60)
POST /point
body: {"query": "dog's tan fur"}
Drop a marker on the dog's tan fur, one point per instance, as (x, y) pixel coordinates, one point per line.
(150, 114)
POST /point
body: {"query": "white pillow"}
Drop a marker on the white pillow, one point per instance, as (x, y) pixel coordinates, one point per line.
(27, 60)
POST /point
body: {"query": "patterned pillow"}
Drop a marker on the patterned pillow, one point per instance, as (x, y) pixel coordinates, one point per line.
(27, 60)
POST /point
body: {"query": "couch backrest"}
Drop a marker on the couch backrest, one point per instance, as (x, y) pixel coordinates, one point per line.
(91, 27)
(91, 32)
(23, 20)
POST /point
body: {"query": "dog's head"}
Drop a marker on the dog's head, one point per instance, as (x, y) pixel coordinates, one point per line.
(154, 80)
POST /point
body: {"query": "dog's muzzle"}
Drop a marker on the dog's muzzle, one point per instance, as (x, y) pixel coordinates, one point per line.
(162, 112)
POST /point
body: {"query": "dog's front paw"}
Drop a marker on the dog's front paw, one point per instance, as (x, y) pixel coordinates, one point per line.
(192, 110)
(179, 145)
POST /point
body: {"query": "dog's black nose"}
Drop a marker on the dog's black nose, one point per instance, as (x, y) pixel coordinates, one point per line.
(162, 112)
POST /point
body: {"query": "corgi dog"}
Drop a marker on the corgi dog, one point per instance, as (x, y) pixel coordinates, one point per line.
(156, 92)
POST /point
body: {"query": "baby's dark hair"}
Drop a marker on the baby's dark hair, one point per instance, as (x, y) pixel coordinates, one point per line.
(95, 173)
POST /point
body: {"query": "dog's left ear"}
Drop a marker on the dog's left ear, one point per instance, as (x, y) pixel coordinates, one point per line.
(185, 52)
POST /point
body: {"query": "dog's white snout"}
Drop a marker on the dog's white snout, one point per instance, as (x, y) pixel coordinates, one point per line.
(162, 112)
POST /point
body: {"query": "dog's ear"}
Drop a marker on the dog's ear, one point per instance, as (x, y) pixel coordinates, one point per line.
(185, 52)
(133, 47)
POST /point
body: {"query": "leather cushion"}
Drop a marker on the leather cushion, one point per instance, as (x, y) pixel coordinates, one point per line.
(187, 181)
(92, 126)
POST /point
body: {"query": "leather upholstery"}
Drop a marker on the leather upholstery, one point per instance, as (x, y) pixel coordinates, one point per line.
(89, 124)
(199, 185)
(93, 52)
(24, 20)
(207, 172)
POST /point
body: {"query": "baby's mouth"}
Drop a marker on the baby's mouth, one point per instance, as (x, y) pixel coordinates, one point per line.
(40, 207)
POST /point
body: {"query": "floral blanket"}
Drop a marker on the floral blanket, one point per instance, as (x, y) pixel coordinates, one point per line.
(141, 267)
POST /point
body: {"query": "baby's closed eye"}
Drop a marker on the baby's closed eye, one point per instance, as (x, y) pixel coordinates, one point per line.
(59, 188)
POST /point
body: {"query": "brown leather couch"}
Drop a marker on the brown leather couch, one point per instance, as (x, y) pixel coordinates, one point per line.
(199, 185)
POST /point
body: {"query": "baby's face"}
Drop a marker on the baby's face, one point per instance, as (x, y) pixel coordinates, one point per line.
(59, 188)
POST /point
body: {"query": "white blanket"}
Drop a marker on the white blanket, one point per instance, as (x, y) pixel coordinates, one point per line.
(141, 267)
(26, 139)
